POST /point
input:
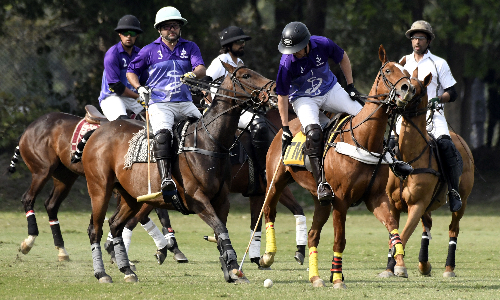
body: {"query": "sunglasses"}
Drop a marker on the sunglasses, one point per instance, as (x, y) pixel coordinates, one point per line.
(240, 42)
(127, 33)
(420, 38)
(175, 26)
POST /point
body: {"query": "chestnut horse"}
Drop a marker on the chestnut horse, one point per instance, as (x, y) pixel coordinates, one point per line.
(350, 179)
(45, 148)
(202, 175)
(425, 190)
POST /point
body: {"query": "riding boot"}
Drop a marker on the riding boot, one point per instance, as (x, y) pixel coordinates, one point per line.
(162, 149)
(452, 169)
(400, 168)
(314, 149)
(261, 140)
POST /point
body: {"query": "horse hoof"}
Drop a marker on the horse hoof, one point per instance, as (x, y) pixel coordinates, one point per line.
(340, 285)
(160, 257)
(425, 268)
(27, 244)
(24, 249)
(318, 283)
(242, 280)
(132, 266)
(386, 274)
(63, 255)
(63, 258)
(264, 269)
(299, 257)
(131, 278)
(267, 259)
(180, 258)
(449, 274)
(400, 272)
(105, 279)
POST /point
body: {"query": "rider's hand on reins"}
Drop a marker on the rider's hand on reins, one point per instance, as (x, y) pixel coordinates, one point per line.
(144, 95)
(353, 92)
(433, 103)
(286, 139)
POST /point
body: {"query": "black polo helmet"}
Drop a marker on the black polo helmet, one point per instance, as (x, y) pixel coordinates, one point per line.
(294, 38)
(232, 34)
(128, 22)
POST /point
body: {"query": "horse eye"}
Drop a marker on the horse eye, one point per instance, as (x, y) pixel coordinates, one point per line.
(387, 71)
(245, 76)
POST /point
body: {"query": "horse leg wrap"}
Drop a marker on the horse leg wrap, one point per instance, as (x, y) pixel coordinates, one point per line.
(32, 226)
(127, 238)
(391, 262)
(336, 267)
(121, 254)
(423, 255)
(270, 238)
(227, 255)
(56, 233)
(300, 230)
(396, 244)
(156, 234)
(254, 250)
(313, 262)
(97, 261)
(452, 247)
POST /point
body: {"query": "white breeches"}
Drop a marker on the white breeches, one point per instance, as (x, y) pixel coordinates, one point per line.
(163, 115)
(114, 106)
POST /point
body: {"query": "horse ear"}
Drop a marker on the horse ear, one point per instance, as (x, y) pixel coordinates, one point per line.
(381, 54)
(427, 79)
(415, 73)
(227, 66)
(240, 64)
(403, 61)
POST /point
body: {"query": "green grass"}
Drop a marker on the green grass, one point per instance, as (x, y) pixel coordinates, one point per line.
(39, 274)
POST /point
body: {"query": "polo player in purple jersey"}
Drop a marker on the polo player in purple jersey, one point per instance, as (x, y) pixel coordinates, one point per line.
(167, 60)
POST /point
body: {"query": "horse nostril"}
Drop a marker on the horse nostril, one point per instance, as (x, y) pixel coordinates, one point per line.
(404, 87)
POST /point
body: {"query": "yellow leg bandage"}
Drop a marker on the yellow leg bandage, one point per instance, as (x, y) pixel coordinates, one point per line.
(394, 231)
(399, 249)
(270, 238)
(336, 266)
(313, 262)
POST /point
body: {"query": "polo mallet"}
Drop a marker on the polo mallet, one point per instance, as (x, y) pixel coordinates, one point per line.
(149, 196)
(260, 215)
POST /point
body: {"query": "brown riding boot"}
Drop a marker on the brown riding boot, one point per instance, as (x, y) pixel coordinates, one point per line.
(314, 149)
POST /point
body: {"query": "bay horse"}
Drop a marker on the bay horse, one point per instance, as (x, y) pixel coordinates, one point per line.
(202, 173)
(45, 148)
(425, 189)
(352, 181)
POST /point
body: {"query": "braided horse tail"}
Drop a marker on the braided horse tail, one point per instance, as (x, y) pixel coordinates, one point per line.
(14, 160)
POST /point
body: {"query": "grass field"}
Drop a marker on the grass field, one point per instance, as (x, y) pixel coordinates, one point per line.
(39, 274)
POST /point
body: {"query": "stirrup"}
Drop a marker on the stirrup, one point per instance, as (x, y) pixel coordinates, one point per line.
(401, 169)
(168, 185)
(454, 200)
(325, 194)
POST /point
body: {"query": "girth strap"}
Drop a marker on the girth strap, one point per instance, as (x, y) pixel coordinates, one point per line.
(194, 148)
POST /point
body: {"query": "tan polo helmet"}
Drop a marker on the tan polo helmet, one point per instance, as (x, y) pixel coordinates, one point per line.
(420, 26)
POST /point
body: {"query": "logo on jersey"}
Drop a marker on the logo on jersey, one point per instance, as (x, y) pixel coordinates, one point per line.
(183, 53)
(301, 70)
(124, 62)
(160, 55)
(315, 85)
(318, 61)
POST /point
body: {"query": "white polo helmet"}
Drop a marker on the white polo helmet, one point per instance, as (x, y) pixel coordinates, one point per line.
(169, 13)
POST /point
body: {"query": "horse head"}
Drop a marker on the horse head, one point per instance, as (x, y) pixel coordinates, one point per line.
(420, 98)
(395, 84)
(245, 84)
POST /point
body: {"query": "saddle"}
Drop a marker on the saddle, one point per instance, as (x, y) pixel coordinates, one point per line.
(93, 115)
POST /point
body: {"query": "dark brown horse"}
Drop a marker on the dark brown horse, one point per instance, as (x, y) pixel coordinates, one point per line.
(45, 148)
(425, 190)
(201, 175)
(350, 179)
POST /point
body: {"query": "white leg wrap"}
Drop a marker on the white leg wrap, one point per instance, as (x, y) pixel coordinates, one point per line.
(127, 238)
(156, 234)
(110, 237)
(254, 250)
(301, 229)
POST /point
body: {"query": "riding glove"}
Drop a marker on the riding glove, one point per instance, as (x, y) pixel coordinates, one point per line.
(433, 103)
(189, 75)
(144, 95)
(286, 139)
(353, 92)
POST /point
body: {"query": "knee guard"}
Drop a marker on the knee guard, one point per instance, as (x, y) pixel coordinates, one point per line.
(162, 147)
(314, 140)
(259, 129)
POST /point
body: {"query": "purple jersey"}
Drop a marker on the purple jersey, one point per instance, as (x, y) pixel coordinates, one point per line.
(309, 76)
(116, 61)
(165, 68)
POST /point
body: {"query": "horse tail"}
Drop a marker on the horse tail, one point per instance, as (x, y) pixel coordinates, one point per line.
(77, 156)
(14, 160)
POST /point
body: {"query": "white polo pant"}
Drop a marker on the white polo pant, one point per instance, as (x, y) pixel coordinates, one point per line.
(164, 115)
(114, 106)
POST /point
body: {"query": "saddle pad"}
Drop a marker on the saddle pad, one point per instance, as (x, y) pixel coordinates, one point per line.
(370, 158)
(80, 130)
(138, 149)
(294, 154)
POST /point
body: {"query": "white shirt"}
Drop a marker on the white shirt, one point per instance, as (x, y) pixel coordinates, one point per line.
(216, 69)
(439, 68)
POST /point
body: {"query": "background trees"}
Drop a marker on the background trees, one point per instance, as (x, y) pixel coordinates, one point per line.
(52, 50)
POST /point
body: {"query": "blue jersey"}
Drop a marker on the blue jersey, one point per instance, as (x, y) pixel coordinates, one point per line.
(165, 68)
(309, 76)
(116, 61)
